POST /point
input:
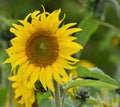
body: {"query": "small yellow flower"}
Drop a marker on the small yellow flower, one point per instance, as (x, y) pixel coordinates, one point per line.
(42, 49)
(116, 41)
(86, 64)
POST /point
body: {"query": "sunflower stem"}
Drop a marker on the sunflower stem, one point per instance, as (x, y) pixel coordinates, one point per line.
(57, 94)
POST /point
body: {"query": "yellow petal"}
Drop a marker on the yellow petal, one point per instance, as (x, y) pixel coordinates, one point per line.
(22, 69)
(34, 76)
(71, 31)
(43, 78)
(27, 73)
(18, 27)
(34, 14)
(49, 78)
(60, 32)
(56, 74)
(63, 74)
(69, 48)
(26, 18)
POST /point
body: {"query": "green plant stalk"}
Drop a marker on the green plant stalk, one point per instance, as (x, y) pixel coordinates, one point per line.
(57, 94)
(109, 25)
(64, 93)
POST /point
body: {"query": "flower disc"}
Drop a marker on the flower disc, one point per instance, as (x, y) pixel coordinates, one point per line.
(42, 50)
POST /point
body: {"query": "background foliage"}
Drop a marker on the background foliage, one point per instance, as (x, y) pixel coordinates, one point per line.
(99, 19)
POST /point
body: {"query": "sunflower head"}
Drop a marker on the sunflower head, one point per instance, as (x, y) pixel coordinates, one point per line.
(42, 48)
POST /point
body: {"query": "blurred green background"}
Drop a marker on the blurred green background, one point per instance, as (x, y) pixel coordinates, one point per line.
(99, 19)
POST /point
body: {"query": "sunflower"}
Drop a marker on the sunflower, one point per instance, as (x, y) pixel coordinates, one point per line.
(23, 95)
(42, 48)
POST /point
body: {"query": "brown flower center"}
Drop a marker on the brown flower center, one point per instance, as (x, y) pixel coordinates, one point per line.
(42, 50)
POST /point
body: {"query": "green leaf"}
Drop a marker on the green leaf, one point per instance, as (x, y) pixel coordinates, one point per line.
(95, 73)
(46, 103)
(92, 100)
(89, 25)
(41, 96)
(93, 83)
(50, 103)
(68, 103)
